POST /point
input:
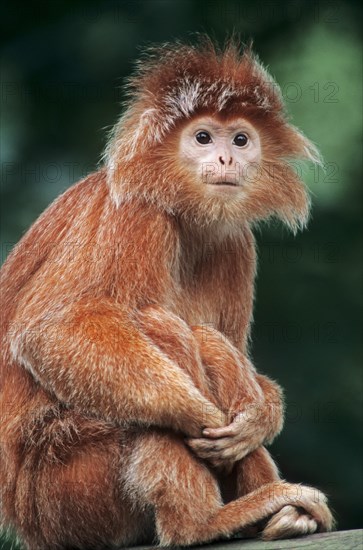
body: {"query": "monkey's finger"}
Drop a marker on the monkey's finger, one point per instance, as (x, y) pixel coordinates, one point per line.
(239, 430)
(221, 450)
(226, 457)
(236, 452)
(207, 453)
(226, 431)
(203, 445)
(233, 452)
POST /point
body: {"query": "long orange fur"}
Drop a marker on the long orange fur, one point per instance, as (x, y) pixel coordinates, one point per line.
(126, 310)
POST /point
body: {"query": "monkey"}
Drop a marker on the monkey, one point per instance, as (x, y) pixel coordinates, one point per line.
(131, 410)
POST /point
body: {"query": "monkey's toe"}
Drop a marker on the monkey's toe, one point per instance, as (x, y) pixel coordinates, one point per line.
(289, 522)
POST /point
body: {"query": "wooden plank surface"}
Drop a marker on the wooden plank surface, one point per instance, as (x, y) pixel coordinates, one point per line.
(338, 540)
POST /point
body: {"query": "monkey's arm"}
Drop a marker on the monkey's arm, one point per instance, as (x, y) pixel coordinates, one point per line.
(254, 402)
(255, 422)
(92, 356)
(262, 415)
(273, 410)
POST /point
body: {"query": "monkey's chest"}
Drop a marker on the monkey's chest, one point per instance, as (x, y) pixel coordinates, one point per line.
(197, 307)
(204, 300)
(210, 289)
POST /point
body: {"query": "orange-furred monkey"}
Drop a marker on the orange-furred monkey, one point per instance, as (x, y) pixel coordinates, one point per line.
(130, 411)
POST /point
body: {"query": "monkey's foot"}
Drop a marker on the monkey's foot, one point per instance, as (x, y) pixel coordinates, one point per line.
(289, 522)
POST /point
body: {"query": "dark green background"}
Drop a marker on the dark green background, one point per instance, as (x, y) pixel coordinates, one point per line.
(62, 67)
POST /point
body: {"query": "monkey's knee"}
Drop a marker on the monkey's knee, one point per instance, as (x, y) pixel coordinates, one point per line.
(222, 363)
(70, 495)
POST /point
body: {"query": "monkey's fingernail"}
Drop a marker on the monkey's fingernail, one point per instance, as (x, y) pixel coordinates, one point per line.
(206, 432)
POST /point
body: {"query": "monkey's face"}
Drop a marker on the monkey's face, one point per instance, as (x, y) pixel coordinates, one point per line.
(235, 171)
(206, 138)
(221, 156)
(219, 169)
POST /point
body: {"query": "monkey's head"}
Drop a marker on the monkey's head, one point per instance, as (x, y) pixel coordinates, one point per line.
(205, 136)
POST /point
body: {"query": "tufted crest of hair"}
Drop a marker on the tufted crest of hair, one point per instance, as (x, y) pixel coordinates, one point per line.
(174, 82)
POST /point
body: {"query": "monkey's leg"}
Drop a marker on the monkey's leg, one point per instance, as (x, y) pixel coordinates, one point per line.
(184, 493)
(68, 490)
(93, 356)
(216, 368)
(176, 339)
(257, 468)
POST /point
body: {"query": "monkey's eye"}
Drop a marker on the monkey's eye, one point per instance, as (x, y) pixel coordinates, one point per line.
(203, 138)
(240, 140)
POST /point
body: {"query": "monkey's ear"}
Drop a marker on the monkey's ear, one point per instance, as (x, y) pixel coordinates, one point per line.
(296, 217)
(302, 148)
(292, 198)
(286, 192)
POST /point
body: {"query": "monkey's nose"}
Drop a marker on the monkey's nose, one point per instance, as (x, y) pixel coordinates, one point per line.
(222, 161)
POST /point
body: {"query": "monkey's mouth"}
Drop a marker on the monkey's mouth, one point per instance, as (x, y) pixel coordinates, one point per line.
(231, 183)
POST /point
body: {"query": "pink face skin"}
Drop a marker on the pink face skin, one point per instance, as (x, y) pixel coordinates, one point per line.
(223, 154)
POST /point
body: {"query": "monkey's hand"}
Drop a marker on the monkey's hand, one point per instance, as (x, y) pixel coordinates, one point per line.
(256, 423)
(224, 446)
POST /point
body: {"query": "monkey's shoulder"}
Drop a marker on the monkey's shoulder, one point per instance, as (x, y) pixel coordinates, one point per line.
(83, 241)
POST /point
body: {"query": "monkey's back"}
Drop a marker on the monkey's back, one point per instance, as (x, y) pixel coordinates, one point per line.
(49, 233)
(21, 397)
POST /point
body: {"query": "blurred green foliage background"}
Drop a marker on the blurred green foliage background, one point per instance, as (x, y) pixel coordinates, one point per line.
(63, 63)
